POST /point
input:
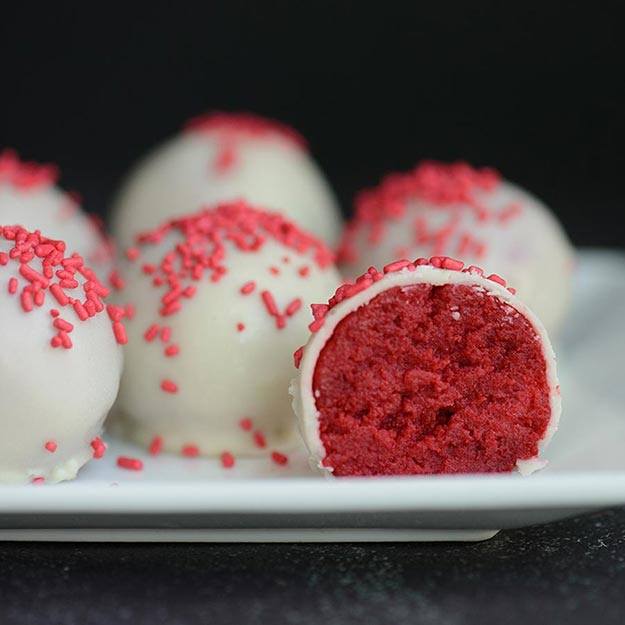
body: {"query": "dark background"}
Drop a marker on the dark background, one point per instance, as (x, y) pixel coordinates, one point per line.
(536, 90)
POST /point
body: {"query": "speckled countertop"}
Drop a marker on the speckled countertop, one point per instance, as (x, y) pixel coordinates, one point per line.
(570, 572)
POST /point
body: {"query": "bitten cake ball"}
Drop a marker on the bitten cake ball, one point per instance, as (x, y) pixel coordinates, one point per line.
(29, 197)
(426, 368)
(223, 157)
(60, 362)
(467, 213)
(219, 305)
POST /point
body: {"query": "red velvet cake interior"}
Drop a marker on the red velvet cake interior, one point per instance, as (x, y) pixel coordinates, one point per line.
(431, 379)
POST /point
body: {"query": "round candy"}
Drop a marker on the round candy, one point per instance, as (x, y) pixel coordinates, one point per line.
(222, 157)
(467, 213)
(426, 368)
(60, 362)
(218, 300)
(30, 198)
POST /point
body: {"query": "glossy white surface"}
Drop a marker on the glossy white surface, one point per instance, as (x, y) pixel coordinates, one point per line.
(177, 178)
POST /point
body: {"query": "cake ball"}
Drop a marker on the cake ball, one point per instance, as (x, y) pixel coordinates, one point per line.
(222, 157)
(426, 367)
(472, 214)
(60, 362)
(29, 196)
(218, 301)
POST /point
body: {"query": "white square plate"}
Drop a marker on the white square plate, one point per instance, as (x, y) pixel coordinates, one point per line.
(195, 499)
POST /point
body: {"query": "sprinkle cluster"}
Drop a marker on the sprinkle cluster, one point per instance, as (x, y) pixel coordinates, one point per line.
(198, 254)
(455, 185)
(231, 128)
(372, 275)
(66, 283)
(25, 175)
(30, 176)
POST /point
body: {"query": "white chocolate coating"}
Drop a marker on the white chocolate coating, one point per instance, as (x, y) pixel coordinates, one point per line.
(179, 176)
(50, 210)
(47, 394)
(301, 387)
(222, 375)
(530, 248)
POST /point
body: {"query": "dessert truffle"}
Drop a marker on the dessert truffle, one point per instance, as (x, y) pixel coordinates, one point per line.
(223, 157)
(218, 307)
(30, 197)
(471, 214)
(60, 362)
(426, 367)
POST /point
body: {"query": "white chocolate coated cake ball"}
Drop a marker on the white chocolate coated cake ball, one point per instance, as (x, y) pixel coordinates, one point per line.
(220, 302)
(30, 198)
(426, 367)
(223, 157)
(471, 214)
(60, 362)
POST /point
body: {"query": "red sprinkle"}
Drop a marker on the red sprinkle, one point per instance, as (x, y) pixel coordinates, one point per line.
(246, 424)
(227, 460)
(240, 327)
(259, 439)
(270, 303)
(293, 307)
(38, 480)
(297, 356)
(190, 451)
(279, 458)
(120, 333)
(132, 253)
(156, 446)
(61, 324)
(151, 333)
(169, 387)
(59, 294)
(398, 265)
(12, 286)
(451, 263)
(116, 281)
(131, 464)
(51, 446)
(172, 350)
(495, 278)
(99, 447)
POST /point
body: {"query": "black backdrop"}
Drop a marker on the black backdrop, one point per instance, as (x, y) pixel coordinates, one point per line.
(536, 90)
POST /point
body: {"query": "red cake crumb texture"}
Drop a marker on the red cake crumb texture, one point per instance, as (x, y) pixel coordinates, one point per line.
(64, 281)
(430, 379)
(201, 256)
(453, 186)
(232, 128)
